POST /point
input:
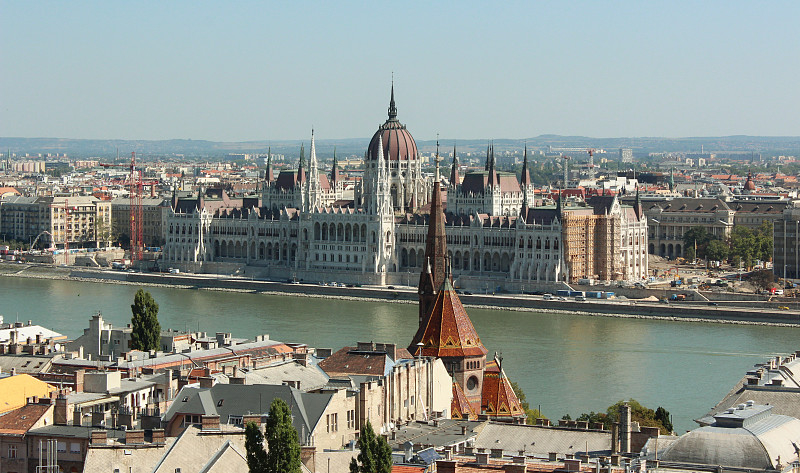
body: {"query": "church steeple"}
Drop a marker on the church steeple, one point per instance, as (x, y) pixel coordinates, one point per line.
(435, 253)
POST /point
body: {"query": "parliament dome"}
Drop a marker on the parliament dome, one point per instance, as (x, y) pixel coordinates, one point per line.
(398, 144)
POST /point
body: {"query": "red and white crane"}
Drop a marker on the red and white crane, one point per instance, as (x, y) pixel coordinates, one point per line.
(136, 212)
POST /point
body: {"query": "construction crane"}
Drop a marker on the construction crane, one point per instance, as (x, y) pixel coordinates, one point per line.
(566, 169)
(136, 212)
(591, 157)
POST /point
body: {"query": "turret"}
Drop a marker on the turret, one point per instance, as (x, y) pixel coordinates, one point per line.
(454, 178)
(335, 175)
(270, 174)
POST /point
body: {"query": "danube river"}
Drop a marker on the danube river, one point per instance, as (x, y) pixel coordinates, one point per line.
(565, 363)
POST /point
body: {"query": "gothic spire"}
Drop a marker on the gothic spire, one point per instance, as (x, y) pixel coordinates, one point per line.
(270, 174)
(335, 176)
(301, 164)
(486, 167)
(437, 179)
(526, 175)
(392, 106)
(454, 168)
(493, 179)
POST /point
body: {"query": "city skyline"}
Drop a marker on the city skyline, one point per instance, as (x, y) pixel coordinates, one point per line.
(252, 71)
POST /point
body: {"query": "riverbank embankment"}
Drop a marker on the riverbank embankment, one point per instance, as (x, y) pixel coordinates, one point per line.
(601, 307)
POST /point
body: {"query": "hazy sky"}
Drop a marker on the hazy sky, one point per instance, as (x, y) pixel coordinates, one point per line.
(241, 71)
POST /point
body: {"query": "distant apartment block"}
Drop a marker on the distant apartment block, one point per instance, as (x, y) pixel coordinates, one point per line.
(626, 155)
(77, 222)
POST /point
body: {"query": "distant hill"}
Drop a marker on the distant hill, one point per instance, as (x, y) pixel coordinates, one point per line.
(80, 148)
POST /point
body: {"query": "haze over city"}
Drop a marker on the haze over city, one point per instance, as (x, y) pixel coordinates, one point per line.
(249, 71)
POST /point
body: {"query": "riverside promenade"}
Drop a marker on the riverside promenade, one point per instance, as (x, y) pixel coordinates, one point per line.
(629, 308)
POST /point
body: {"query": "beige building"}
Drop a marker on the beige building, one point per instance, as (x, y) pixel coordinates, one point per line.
(393, 387)
(668, 220)
(77, 221)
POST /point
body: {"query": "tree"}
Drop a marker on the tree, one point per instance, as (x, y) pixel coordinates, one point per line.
(716, 250)
(254, 444)
(645, 417)
(698, 236)
(283, 447)
(663, 416)
(744, 246)
(764, 241)
(146, 333)
(103, 231)
(375, 455)
(762, 279)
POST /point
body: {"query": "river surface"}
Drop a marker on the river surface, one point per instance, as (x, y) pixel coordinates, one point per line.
(564, 363)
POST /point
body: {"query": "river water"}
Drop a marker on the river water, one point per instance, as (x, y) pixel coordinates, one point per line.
(565, 363)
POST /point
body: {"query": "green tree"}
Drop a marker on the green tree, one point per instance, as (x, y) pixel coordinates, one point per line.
(663, 416)
(375, 455)
(744, 246)
(698, 236)
(283, 447)
(644, 416)
(764, 241)
(254, 444)
(716, 250)
(146, 333)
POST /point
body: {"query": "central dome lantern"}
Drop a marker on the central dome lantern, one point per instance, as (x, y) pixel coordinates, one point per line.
(398, 144)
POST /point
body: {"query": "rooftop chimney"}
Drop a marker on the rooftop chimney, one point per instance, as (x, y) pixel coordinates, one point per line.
(98, 437)
(209, 423)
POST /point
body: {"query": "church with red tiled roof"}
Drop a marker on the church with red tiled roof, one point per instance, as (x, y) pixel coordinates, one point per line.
(480, 388)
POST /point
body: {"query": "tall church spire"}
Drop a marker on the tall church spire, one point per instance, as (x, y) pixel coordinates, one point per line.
(435, 253)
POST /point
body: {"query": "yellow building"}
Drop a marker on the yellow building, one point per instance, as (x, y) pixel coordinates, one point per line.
(15, 390)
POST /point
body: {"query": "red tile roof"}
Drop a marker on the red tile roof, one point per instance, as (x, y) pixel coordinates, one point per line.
(19, 421)
(498, 398)
(349, 361)
(460, 407)
(449, 331)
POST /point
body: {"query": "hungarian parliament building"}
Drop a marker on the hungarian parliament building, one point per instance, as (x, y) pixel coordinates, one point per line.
(305, 226)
